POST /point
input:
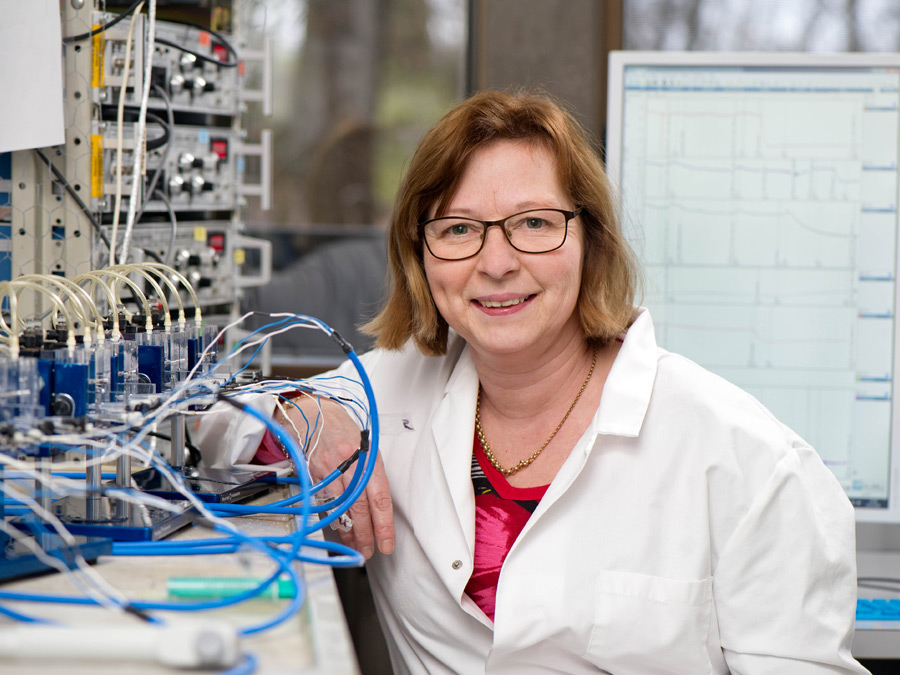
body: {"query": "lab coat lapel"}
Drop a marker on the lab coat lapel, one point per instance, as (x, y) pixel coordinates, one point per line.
(453, 430)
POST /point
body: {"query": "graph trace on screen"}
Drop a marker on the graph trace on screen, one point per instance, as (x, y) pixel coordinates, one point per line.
(762, 201)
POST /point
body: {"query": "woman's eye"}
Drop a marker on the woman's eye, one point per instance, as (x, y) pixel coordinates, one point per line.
(458, 229)
(534, 223)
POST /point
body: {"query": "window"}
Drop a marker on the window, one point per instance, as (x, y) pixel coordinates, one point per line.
(356, 86)
(850, 25)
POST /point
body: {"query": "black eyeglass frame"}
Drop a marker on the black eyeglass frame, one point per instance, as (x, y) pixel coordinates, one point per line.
(570, 215)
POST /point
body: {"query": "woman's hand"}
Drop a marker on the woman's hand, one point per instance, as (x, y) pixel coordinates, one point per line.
(372, 514)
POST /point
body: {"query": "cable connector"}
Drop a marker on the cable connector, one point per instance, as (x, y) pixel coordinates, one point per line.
(346, 346)
(344, 523)
(363, 448)
(222, 396)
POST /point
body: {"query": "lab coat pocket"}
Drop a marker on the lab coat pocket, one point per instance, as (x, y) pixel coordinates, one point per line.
(645, 624)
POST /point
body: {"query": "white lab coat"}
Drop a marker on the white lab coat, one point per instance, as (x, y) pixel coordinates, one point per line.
(688, 532)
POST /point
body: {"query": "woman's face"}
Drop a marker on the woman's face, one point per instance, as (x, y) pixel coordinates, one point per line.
(502, 301)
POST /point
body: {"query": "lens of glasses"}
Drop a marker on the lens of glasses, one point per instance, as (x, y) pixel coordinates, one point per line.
(536, 231)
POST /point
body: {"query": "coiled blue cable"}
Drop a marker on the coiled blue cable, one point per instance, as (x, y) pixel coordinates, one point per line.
(233, 540)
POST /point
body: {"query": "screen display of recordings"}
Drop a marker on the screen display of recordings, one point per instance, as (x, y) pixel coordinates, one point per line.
(760, 193)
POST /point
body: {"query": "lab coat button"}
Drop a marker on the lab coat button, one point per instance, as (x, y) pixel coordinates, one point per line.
(456, 564)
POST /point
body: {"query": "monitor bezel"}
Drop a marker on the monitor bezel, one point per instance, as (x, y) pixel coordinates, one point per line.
(620, 61)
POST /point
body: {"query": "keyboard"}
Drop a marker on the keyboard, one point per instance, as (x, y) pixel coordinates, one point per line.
(878, 609)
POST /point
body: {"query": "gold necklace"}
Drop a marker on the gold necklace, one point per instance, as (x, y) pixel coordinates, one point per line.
(526, 462)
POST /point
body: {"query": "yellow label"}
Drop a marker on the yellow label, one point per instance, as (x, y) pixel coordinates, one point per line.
(239, 256)
(97, 79)
(97, 165)
(200, 234)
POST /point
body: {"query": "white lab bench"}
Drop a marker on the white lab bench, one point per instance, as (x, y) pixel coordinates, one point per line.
(314, 641)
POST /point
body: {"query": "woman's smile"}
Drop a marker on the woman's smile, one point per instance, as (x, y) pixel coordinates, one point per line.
(503, 303)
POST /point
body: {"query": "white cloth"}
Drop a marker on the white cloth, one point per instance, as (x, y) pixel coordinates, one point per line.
(229, 440)
(688, 532)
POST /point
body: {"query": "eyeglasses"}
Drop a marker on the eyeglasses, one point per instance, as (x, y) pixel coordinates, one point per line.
(535, 231)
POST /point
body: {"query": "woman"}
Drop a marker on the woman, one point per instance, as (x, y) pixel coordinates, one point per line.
(564, 496)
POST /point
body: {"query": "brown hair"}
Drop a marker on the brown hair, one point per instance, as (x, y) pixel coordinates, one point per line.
(610, 273)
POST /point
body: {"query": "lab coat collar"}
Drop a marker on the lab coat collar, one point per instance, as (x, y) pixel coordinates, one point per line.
(626, 393)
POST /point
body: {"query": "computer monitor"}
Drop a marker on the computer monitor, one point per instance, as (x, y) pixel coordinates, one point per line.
(760, 192)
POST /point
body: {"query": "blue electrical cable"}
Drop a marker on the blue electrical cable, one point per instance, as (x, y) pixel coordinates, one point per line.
(232, 540)
(246, 365)
(247, 666)
(355, 490)
(358, 482)
(278, 556)
(293, 320)
(18, 616)
(283, 506)
(19, 475)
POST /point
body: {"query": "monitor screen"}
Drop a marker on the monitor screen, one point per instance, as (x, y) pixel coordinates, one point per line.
(760, 192)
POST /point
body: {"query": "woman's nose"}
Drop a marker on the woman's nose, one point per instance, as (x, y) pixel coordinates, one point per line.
(497, 255)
